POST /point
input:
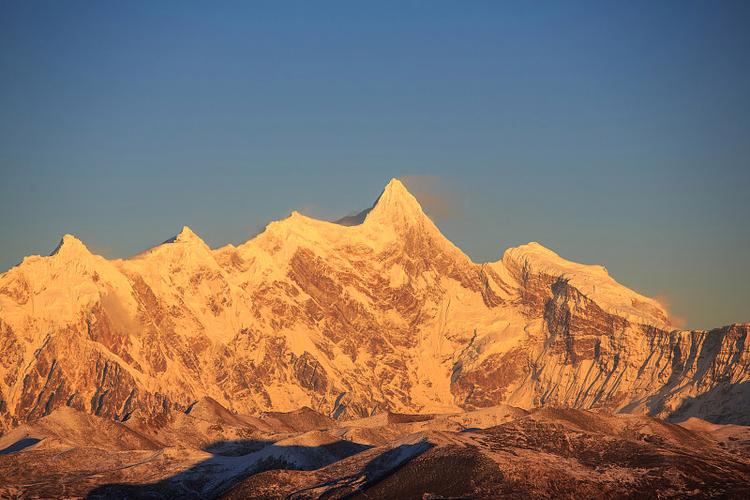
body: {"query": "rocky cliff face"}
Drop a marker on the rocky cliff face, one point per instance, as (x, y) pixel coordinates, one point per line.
(382, 313)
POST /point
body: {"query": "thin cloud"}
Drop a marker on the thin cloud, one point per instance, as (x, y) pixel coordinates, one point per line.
(666, 303)
(436, 198)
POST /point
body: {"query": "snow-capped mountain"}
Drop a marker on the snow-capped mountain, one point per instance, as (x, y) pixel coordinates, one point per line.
(380, 312)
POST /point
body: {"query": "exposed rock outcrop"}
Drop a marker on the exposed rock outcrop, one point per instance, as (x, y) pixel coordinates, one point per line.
(384, 314)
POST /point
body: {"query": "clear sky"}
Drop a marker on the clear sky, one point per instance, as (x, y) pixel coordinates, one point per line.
(615, 133)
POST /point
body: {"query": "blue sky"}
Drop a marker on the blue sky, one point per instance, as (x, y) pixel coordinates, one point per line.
(612, 132)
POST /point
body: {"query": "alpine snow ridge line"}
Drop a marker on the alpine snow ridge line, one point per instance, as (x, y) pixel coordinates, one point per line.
(379, 313)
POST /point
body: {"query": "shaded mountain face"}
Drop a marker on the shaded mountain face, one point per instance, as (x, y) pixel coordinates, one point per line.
(493, 452)
(547, 454)
(377, 314)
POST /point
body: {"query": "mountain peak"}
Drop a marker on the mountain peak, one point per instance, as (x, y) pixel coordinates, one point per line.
(395, 191)
(395, 185)
(70, 246)
(186, 235)
(592, 280)
(183, 243)
(396, 204)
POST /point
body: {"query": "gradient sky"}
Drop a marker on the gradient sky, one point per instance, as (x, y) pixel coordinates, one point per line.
(612, 132)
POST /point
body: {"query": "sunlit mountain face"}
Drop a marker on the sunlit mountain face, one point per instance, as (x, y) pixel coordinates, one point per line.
(362, 357)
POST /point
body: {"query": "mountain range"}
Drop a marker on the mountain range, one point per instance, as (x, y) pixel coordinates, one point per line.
(360, 357)
(377, 313)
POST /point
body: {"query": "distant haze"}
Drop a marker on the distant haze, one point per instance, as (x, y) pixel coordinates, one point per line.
(615, 133)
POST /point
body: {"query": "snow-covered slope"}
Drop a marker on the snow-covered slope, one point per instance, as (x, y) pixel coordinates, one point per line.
(378, 314)
(496, 451)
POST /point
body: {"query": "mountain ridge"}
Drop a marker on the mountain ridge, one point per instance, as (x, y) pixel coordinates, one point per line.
(350, 320)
